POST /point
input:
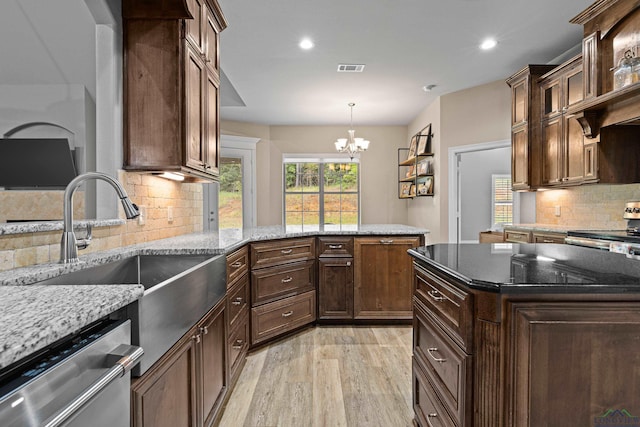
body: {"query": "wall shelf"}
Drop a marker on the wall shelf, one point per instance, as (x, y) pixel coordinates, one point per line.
(415, 166)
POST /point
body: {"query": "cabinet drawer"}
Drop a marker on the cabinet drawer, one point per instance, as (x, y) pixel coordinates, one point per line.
(335, 246)
(237, 265)
(278, 317)
(238, 300)
(548, 237)
(449, 305)
(282, 251)
(269, 284)
(447, 366)
(428, 409)
(517, 236)
(238, 344)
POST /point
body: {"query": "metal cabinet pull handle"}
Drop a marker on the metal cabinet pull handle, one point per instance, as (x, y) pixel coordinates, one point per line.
(196, 338)
(126, 361)
(287, 279)
(286, 251)
(237, 301)
(238, 344)
(335, 246)
(236, 264)
(435, 295)
(287, 314)
(386, 242)
(547, 241)
(429, 416)
(431, 350)
(204, 330)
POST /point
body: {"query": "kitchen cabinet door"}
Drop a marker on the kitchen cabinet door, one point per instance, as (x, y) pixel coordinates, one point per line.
(214, 365)
(335, 288)
(166, 395)
(563, 141)
(520, 158)
(383, 277)
(572, 361)
(194, 76)
(552, 151)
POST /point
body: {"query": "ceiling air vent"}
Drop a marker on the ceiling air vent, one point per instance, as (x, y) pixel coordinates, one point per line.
(350, 68)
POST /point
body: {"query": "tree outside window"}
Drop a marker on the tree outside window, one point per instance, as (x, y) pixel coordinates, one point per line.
(321, 195)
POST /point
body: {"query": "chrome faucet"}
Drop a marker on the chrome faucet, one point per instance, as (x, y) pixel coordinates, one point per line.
(69, 245)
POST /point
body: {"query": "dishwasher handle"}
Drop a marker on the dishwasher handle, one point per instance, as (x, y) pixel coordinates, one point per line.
(124, 358)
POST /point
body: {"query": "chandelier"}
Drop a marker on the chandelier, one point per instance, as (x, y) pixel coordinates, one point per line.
(351, 145)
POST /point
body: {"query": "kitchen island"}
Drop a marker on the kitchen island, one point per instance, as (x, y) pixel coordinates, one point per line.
(525, 335)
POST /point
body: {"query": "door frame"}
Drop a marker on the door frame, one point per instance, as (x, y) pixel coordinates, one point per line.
(454, 182)
(234, 146)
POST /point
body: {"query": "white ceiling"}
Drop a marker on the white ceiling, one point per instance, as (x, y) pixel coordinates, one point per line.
(405, 44)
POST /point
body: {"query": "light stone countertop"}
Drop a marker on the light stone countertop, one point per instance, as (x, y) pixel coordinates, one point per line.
(550, 228)
(34, 316)
(43, 226)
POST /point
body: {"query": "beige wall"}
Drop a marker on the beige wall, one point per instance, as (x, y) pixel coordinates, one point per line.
(379, 200)
(472, 116)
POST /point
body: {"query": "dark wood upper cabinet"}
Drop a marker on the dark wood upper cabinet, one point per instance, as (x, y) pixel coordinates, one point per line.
(563, 142)
(171, 90)
(610, 29)
(569, 125)
(525, 127)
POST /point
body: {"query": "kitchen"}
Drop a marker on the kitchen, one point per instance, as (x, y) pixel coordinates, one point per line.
(176, 209)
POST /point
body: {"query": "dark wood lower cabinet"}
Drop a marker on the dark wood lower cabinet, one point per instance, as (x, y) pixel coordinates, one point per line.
(187, 386)
(335, 288)
(166, 395)
(571, 362)
(528, 361)
(382, 277)
(428, 409)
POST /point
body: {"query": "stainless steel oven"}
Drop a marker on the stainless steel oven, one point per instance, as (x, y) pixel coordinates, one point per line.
(82, 381)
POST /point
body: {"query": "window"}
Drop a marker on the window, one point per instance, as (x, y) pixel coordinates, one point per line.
(321, 194)
(501, 200)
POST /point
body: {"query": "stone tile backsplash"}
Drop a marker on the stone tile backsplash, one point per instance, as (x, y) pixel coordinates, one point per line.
(589, 206)
(155, 195)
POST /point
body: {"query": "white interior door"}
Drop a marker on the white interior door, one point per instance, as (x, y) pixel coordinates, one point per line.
(470, 201)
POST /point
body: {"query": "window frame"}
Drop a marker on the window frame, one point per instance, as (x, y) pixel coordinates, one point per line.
(321, 160)
(494, 203)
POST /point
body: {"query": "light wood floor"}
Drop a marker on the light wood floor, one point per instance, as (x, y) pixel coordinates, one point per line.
(327, 376)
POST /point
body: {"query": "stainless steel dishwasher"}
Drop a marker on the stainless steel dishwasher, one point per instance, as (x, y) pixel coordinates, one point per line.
(81, 381)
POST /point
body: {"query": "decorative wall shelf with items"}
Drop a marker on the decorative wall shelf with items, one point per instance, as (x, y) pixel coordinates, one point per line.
(415, 166)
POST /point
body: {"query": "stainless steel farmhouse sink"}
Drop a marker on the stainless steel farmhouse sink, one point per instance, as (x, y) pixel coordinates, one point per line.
(179, 290)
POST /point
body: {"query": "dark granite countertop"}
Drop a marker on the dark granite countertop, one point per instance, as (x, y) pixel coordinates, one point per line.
(529, 268)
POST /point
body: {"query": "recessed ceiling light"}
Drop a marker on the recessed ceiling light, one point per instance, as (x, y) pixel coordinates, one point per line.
(488, 44)
(428, 88)
(306, 44)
